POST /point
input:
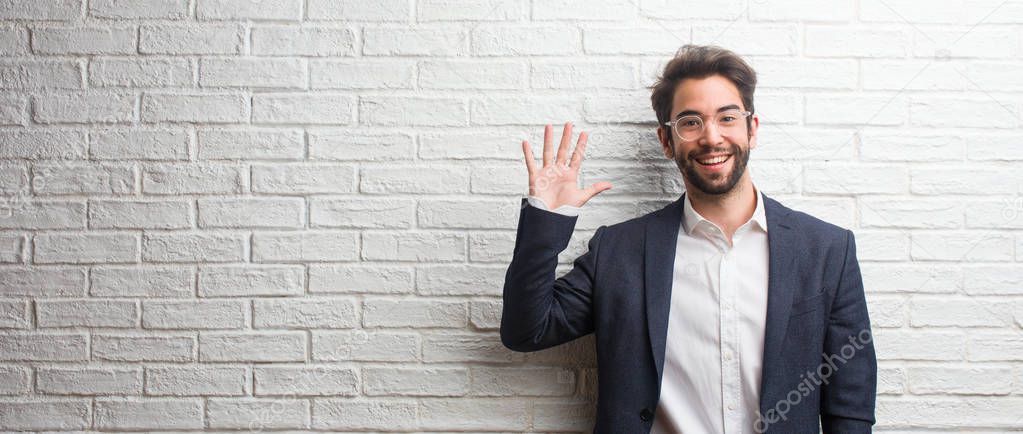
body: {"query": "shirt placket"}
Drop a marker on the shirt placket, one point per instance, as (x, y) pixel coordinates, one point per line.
(730, 374)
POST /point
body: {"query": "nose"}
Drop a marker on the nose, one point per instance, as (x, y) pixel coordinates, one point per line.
(711, 133)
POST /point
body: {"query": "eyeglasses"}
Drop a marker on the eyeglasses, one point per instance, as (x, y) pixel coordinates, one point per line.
(690, 127)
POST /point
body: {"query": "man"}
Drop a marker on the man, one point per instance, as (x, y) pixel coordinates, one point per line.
(723, 312)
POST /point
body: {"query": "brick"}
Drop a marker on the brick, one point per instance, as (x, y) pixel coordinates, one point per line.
(421, 246)
(84, 248)
(414, 41)
(318, 108)
(257, 415)
(148, 414)
(961, 246)
(476, 413)
(362, 414)
(11, 248)
(353, 10)
(358, 278)
(393, 111)
(141, 214)
(48, 144)
(634, 40)
(152, 9)
(361, 74)
(959, 380)
(775, 10)
(287, 10)
(194, 247)
(485, 314)
(303, 178)
(83, 179)
(411, 381)
(460, 280)
(365, 346)
(458, 10)
(361, 213)
(15, 314)
(252, 347)
(958, 312)
(50, 10)
(138, 144)
(251, 144)
(303, 41)
(848, 179)
(41, 414)
(845, 41)
(450, 214)
(255, 213)
(84, 40)
(518, 40)
(523, 110)
(146, 281)
(528, 381)
(144, 347)
(233, 281)
(414, 179)
(195, 314)
(38, 347)
(14, 110)
(13, 41)
(40, 74)
(348, 145)
(564, 74)
(196, 108)
(306, 313)
(15, 380)
(42, 282)
(306, 381)
(306, 246)
(192, 178)
(253, 73)
(755, 39)
(86, 313)
(414, 313)
(89, 381)
(192, 39)
(144, 72)
(466, 347)
(461, 74)
(197, 380)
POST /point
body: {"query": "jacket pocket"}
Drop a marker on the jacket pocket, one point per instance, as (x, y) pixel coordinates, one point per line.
(808, 304)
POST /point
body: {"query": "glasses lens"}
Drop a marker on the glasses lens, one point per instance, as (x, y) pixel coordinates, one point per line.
(689, 127)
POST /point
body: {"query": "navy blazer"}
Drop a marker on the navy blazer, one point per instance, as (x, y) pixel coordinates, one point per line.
(819, 367)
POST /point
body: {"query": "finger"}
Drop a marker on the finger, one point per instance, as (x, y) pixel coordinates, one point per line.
(596, 188)
(548, 150)
(566, 138)
(580, 150)
(530, 159)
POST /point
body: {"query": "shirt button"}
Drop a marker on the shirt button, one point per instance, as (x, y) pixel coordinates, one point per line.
(728, 355)
(731, 406)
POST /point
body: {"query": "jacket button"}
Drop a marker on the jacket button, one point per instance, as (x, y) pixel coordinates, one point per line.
(646, 415)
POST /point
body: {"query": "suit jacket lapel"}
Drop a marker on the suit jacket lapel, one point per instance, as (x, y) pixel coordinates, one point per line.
(782, 248)
(659, 262)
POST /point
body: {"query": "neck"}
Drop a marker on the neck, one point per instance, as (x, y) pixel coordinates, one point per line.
(728, 211)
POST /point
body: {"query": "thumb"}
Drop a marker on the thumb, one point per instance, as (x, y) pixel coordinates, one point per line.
(596, 188)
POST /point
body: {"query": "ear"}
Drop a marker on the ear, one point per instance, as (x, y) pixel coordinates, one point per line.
(754, 126)
(666, 148)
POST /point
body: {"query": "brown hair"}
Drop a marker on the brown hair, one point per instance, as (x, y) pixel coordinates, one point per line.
(701, 61)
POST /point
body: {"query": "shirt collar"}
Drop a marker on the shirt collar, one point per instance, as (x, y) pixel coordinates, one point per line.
(691, 218)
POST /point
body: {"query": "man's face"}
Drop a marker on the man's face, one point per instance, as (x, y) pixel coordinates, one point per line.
(699, 159)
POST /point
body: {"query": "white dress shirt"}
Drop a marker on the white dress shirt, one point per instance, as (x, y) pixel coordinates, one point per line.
(715, 338)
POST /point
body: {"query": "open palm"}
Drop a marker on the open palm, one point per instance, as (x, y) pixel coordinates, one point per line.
(556, 183)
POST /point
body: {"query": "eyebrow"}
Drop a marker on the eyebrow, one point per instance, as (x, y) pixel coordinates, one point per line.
(694, 112)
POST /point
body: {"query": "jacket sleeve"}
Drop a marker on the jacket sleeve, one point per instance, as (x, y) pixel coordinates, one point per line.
(540, 311)
(848, 397)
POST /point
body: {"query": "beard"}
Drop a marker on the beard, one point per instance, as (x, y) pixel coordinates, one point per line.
(714, 184)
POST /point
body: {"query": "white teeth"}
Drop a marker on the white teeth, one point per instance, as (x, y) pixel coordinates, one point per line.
(715, 160)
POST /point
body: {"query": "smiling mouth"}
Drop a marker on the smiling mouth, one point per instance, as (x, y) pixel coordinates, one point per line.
(714, 161)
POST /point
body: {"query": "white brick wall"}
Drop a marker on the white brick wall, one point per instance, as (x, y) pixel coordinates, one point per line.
(296, 214)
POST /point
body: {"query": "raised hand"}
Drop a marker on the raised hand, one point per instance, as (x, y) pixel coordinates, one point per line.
(556, 183)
